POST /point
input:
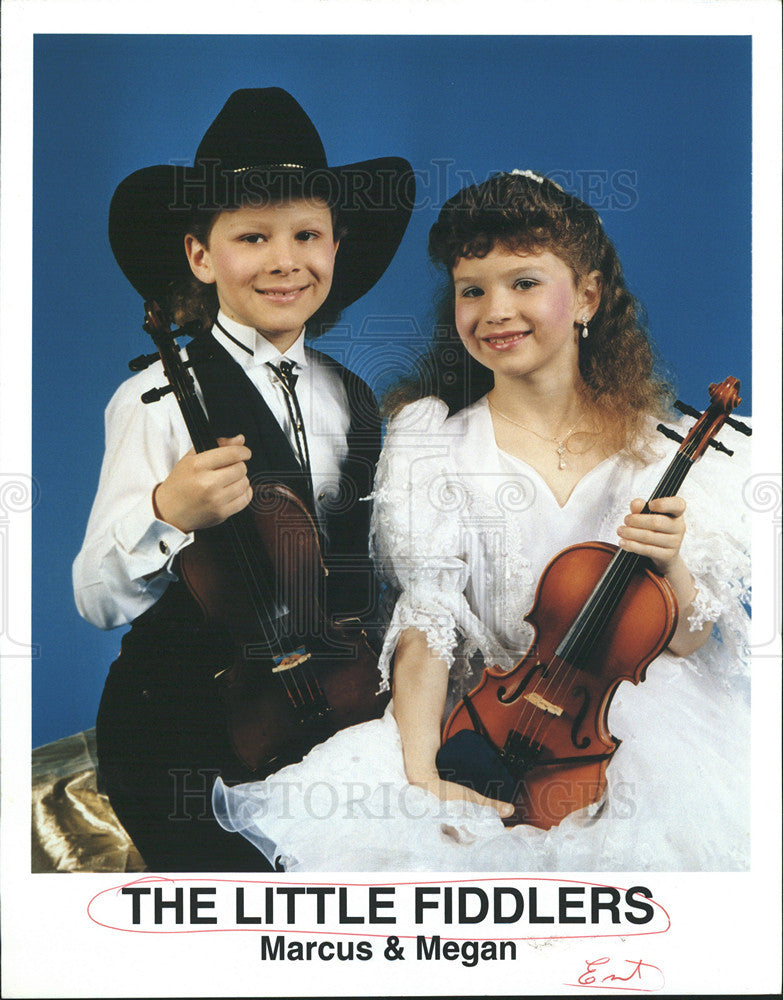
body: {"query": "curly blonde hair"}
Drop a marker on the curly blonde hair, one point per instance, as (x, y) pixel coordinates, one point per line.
(523, 212)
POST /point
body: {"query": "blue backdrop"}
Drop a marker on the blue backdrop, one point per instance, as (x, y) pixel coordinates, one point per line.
(653, 131)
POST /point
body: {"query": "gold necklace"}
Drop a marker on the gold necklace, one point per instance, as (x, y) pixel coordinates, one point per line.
(560, 445)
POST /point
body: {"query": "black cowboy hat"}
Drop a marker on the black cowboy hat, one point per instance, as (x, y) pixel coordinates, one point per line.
(261, 145)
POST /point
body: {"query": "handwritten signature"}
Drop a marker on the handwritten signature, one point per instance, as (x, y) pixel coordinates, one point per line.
(636, 973)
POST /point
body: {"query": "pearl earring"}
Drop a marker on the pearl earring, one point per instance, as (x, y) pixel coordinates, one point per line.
(585, 330)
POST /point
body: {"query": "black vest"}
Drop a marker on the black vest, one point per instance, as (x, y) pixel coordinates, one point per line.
(173, 632)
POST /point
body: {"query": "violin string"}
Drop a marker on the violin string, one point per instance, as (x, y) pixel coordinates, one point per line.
(566, 670)
(243, 544)
(593, 619)
(195, 420)
(300, 681)
(600, 605)
(616, 579)
(288, 690)
(610, 589)
(306, 671)
(198, 426)
(243, 538)
(558, 674)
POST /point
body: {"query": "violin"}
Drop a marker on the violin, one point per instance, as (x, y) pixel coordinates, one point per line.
(294, 678)
(537, 735)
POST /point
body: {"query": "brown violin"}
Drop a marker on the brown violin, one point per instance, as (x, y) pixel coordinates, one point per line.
(294, 678)
(538, 735)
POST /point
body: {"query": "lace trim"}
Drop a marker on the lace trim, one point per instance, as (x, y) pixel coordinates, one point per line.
(437, 624)
(420, 526)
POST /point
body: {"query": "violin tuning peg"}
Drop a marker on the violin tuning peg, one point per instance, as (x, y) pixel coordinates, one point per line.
(669, 433)
(153, 395)
(739, 426)
(687, 410)
(720, 447)
(143, 361)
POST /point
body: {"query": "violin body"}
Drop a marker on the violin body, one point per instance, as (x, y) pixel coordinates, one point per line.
(270, 729)
(280, 708)
(547, 718)
(292, 676)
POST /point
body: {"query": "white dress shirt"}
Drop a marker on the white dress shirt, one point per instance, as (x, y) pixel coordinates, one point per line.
(125, 562)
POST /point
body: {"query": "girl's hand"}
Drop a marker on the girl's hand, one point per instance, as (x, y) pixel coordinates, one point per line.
(206, 488)
(657, 535)
(419, 685)
(450, 790)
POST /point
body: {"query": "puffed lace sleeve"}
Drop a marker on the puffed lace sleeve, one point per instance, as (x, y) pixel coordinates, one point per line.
(716, 549)
(415, 541)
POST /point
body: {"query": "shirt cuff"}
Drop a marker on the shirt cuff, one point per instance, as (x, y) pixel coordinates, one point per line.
(148, 543)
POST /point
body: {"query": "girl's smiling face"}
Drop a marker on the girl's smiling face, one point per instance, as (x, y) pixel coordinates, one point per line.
(272, 265)
(516, 312)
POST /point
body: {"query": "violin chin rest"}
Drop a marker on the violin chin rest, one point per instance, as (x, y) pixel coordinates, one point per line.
(471, 760)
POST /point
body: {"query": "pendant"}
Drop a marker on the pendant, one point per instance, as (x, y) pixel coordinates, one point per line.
(561, 450)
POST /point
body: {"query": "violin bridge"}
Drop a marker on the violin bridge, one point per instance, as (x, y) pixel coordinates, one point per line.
(289, 662)
(543, 704)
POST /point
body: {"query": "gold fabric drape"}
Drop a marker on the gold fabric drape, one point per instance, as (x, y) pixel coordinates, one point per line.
(74, 828)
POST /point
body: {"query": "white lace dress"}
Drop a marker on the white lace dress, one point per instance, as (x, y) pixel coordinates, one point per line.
(461, 534)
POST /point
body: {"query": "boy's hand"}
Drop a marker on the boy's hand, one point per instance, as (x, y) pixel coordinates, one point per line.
(657, 535)
(206, 488)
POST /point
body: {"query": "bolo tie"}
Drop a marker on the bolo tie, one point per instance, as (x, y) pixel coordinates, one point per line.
(288, 378)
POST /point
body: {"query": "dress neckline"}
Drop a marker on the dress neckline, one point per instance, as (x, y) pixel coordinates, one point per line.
(520, 461)
(577, 485)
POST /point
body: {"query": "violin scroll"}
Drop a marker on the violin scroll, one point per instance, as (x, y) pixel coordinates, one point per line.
(724, 398)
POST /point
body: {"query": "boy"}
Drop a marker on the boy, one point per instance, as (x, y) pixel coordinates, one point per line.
(258, 239)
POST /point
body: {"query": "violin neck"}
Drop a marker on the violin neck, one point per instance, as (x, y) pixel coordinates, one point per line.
(588, 626)
(184, 389)
(198, 426)
(672, 479)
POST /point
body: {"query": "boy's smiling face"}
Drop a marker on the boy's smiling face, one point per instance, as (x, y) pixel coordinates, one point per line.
(272, 265)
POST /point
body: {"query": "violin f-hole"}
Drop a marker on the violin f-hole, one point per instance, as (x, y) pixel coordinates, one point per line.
(580, 692)
(516, 693)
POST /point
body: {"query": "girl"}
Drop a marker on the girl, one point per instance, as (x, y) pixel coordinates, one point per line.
(530, 427)
(258, 239)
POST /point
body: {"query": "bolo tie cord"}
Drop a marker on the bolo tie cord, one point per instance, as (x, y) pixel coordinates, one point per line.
(288, 378)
